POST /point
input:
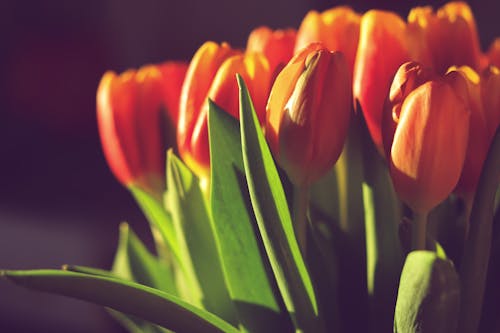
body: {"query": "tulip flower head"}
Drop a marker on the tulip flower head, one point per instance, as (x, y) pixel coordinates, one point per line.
(212, 74)
(429, 146)
(277, 46)
(450, 35)
(337, 28)
(308, 113)
(383, 47)
(409, 76)
(129, 110)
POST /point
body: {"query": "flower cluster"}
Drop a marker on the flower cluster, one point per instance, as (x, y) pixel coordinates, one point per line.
(303, 158)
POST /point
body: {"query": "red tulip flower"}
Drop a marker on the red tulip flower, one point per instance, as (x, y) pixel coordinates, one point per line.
(129, 117)
(337, 28)
(276, 45)
(212, 74)
(308, 113)
(430, 145)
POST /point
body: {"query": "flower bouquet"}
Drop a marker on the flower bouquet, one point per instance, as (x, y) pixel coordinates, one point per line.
(342, 177)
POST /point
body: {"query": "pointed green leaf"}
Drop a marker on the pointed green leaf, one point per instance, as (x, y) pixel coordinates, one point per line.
(273, 219)
(159, 218)
(134, 262)
(128, 297)
(199, 254)
(233, 222)
(428, 295)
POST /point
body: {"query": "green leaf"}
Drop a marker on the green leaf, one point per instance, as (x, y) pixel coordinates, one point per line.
(131, 323)
(128, 297)
(244, 265)
(134, 262)
(428, 295)
(199, 255)
(383, 213)
(274, 221)
(159, 219)
(478, 245)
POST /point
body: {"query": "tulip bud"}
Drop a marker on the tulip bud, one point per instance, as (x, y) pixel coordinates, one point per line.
(383, 47)
(450, 35)
(337, 28)
(129, 120)
(409, 76)
(277, 46)
(212, 74)
(429, 145)
(308, 113)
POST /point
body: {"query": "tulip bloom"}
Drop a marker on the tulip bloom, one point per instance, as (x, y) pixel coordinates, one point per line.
(277, 46)
(429, 146)
(450, 35)
(383, 46)
(212, 74)
(129, 120)
(409, 76)
(308, 113)
(337, 28)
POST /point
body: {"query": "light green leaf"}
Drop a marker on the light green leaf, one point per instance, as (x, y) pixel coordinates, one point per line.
(134, 262)
(128, 297)
(159, 219)
(428, 295)
(274, 221)
(199, 255)
(244, 265)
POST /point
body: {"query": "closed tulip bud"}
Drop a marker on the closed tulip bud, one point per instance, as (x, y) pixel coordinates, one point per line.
(308, 113)
(383, 47)
(337, 28)
(450, 35)
(129, 120)
(212, 75)
(277, 46)
(429, 145)
(409, 76)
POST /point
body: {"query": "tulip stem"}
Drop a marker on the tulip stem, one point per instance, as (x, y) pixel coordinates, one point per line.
(299, 214)
(418, 231)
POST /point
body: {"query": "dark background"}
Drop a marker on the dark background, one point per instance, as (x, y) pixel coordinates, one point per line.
(59, 203)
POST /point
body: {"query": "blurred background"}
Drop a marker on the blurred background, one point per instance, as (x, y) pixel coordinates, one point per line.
(59, 203)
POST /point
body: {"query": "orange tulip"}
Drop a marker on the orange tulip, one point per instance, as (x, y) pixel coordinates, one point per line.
(384, 45)
(129, 114)
(277, 46)
(450, 35)
(409, 76)
(308, 113)
(429, 145)
(337, 28)
(212, 74)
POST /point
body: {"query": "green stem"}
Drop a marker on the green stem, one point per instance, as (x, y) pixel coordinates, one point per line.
(299, 214)
(418, 231)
